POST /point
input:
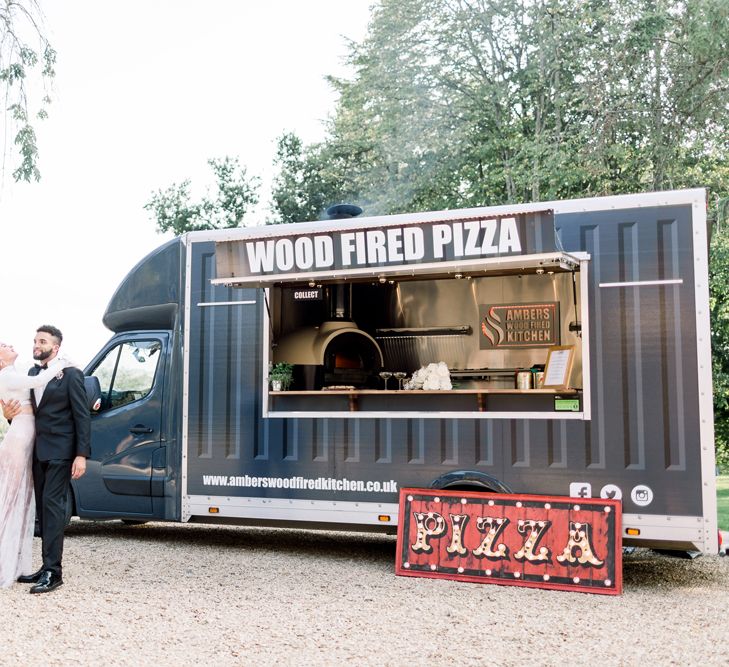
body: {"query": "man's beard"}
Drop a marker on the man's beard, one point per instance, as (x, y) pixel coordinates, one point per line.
(42, 356)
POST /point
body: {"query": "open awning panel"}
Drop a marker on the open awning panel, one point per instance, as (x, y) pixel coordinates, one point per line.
(508, 243)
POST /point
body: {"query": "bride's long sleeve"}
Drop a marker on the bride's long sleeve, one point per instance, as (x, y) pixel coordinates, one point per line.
(14, 380)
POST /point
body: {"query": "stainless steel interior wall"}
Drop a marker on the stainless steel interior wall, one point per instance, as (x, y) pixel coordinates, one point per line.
(433, 303)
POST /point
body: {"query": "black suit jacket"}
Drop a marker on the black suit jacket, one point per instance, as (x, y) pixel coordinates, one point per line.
(62, 421)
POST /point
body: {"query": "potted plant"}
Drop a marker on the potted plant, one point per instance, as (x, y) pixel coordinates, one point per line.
(281, 375)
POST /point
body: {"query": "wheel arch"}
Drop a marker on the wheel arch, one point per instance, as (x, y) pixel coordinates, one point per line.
(470, 480)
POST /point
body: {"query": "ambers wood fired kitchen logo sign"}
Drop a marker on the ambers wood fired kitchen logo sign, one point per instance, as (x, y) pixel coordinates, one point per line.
(515, 325)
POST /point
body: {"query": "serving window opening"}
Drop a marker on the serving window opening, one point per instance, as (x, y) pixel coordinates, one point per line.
(360, 345)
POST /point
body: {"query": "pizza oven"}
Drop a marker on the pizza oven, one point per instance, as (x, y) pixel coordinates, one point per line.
(334, 354)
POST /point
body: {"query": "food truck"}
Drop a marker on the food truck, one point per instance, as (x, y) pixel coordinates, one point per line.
(554, 348)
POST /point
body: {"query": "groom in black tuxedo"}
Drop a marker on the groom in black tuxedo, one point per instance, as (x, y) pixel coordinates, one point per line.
(62, 443)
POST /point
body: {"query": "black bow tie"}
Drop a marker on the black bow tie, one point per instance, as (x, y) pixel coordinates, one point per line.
(41, 367)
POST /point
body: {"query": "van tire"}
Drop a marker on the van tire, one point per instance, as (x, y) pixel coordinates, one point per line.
(469, 480)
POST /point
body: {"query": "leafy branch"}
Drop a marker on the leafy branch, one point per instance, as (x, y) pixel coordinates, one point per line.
(235, 192)
(21, 65)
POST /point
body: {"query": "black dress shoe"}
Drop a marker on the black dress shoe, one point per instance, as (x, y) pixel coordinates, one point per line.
(30, 578)
(48, 582)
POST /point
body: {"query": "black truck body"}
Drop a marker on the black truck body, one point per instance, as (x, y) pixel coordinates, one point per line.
(191, 430)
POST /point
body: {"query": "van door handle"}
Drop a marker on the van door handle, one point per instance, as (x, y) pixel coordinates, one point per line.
(139, 429)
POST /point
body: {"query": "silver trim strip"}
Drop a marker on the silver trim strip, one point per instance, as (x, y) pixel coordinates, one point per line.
(652, 527)
(641, 283)
(585, 340)
(184, 505)
(452, 266)
(226, 303)
(705, 385)
(281, 509)
(266, 356)
(275, 414)
(661, 528)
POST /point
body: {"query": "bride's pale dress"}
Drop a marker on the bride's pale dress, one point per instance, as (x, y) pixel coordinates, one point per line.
(17, 504)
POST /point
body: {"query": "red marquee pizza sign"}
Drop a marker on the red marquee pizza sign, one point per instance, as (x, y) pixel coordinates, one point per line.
(539, 541)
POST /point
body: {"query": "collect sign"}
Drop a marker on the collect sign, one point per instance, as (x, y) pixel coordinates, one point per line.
(364, 246)
(516, 325)
(539, 541)
(308, 294)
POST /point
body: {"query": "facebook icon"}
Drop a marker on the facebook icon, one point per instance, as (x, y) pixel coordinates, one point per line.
(580, 489)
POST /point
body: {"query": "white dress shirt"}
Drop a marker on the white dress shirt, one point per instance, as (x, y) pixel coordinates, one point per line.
(38, 391)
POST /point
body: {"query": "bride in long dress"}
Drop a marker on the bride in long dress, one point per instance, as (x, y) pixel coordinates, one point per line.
(17, 505)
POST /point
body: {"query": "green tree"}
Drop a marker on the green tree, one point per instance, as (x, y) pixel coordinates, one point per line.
(719, 313)
(310, 179)
(174, 210)
(474, 102)
(25, 57)
(299, 191)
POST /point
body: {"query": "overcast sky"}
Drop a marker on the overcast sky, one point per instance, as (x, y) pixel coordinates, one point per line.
(146, 92)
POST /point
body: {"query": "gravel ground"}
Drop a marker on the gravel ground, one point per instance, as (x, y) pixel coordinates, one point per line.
(171, 594)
